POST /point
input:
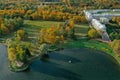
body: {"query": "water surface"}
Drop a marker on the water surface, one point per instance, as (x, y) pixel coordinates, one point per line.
(86, 64)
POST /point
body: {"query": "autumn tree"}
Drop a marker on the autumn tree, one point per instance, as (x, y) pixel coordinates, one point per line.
(116, 46)
(21, 55)
(35, 16)
(20, 21)
(12, 54)
(92, 33)
(4, 29)
(21, 35)
(72, 24)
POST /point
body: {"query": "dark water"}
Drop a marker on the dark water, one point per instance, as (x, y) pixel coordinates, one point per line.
(86, 64)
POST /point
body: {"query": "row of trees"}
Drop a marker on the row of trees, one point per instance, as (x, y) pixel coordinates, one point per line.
(81, 4)
(49, 13)
(36, 12)
(9, 25)
(52, 12)
(57, 13)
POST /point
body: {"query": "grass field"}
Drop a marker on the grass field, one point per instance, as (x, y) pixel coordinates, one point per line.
(87, 43)
(81, 30)
(39, 24)
(33, 28)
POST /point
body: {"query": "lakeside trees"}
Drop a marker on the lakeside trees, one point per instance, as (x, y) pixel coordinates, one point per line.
(18, 54)
(116, 46)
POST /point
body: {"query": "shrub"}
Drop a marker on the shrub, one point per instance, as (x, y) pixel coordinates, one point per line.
(4, 29)
(12, 54)
(21, 35)
(92, 33)
(114, 35)
(116, 46)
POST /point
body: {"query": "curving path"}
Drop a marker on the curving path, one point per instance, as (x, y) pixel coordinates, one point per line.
(86, 64)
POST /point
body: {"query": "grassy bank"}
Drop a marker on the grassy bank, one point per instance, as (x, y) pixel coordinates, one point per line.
(86, 43)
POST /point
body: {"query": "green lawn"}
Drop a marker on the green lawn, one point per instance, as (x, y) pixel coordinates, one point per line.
(33, 27)
(39, 24)
(87, 43)
(81, 30)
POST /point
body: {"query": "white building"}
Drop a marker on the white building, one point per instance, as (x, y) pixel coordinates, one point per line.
(104, 20)
(97, 25)
(88, 15)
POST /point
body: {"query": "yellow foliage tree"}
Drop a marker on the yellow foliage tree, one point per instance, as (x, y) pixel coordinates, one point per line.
(92, 33)
(35, 16)
(4, 29)
(72, 24)
(12, 54)
(116, 46)
(21, 35)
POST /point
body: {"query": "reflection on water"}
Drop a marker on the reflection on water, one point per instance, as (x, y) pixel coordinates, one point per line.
(86, 64)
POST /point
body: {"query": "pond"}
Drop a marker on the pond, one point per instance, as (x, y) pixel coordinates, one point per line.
(67, 64)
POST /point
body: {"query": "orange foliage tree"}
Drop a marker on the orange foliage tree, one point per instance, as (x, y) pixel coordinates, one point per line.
(57, 34)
